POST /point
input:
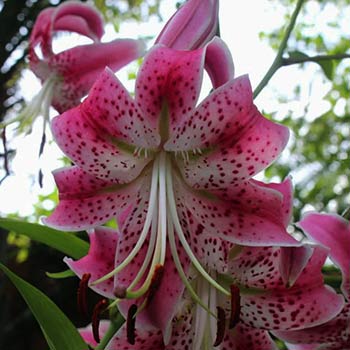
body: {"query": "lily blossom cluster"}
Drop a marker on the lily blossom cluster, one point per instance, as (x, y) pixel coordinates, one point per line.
(67, 76)
(201, 258)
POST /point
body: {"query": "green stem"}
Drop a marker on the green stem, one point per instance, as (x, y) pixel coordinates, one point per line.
(316, 59)
(346, 214)
(278, 61)
(112, 330)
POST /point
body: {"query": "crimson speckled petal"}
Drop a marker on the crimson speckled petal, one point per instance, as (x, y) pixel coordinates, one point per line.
(91, 148)
(332, 231)
(169, 78)
(243, 337)
(307, 303)
(86, 202)
(99, 260)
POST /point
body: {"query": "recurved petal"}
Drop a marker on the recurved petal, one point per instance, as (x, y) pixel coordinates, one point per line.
(256, 267)
(217, 51)
(75, 16)
(308, 303)
(292, 262)
(224, 164)
(86, 201)
(99, 261)
(168, 85)
(80, 66)
(333, 232)
(220, 117)
(238, 223)
(285, 188)
(335, 331)
(95, 150)
(243, 337)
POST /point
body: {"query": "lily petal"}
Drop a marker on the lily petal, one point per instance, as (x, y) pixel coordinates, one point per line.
(93, 149)
(80, 66)
(87, 335)
(192, 25)
(86, 202)
(237, 142)
(99, 261)
(169, 80)
(286, 189)
(335, 332)
(292, 262)
(242, 223)
(333, 232)
(66, 15)
(243, 337)
(181, 339)
(218, 51)
(308, 303)
(72, 16)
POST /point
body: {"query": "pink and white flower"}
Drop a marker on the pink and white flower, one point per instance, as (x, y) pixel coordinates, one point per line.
(67, 76)
(175, 175)
(331, 231)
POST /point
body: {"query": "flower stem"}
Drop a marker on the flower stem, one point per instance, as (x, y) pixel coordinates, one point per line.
(278, 61)
(114, 326)
(316, 59)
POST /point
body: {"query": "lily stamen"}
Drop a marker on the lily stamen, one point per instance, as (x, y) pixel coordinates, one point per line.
(81, 295)
(96, 318)
(130, 324)
(235, 306)
(221, 325)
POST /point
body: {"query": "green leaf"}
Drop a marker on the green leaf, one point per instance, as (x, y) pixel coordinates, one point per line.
(62, 274)
(328, 68)
(58, 330)
(65, 242)
(297, 55)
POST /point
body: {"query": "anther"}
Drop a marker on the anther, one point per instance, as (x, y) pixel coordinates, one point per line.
(235, 306)
(221, 325)
(155, 283)
(130, 324)
(96, 318)
(82, 294)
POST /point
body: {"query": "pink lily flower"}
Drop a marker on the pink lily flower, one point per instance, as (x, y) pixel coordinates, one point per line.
(332, 231)
(68, 76)
(175, 176)
(192, 26)
(265, 302)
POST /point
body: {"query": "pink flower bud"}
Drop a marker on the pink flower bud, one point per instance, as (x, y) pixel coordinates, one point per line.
(192, 26)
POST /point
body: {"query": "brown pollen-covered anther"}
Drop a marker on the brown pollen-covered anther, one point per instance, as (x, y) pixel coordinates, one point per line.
(221, 325)
(130, 324)
(99, 308)
(235, 306)
(82, 294)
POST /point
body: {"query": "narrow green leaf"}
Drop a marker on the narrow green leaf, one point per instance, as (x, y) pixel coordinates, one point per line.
(65, 242)
(58, 330)
(62, 274)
